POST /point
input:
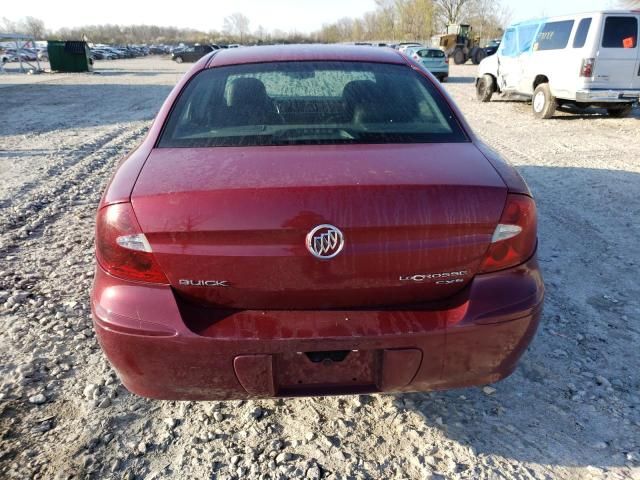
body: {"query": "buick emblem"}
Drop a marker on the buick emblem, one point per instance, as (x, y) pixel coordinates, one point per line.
(325, 241)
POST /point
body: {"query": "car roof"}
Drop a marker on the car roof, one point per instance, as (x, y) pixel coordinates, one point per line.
(573, 15)
(287, 53)
(422, 47)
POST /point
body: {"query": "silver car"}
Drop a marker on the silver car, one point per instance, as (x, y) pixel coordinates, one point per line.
(433, 59)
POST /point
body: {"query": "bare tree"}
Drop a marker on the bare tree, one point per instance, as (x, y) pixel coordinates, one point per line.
(415, 19)
(487, 17)
(451, 11)
(237, 24)
(631, 3)
(260, 33)
(8, 26)
(387, 18)
(34, 27)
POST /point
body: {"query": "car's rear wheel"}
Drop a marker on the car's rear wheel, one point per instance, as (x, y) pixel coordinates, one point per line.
(485, 88)
(544, 104)
(620, 111)
(179, 60)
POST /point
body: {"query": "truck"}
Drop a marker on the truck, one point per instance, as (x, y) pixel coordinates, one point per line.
(460, 44)
(573, 61)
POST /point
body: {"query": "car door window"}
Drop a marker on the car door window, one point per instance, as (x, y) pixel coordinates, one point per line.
(620, 32)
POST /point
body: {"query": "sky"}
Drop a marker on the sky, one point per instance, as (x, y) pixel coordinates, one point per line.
(529, 9)
(303, 16)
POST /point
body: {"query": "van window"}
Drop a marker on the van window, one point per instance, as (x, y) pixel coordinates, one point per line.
(526, 34)
(582, 32)
(620, 32)
(554, 35)
(508, 47)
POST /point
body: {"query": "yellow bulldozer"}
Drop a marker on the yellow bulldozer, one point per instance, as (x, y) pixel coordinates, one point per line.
(460, 44)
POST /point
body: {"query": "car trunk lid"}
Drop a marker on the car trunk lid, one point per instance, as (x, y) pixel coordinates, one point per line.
(229, 225)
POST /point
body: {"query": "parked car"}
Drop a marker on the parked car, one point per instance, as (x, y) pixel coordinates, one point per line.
(589, 59)
(433, 59)
(403, 46)
(492, 47)
(310, 220)
(158, 49)
(21, 54)
(103, 54)
(113, 53)
(6, 57)
(191, 54)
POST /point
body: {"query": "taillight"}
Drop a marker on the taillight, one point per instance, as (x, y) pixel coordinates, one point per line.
(121, 247)
(514, 239)
(587, 67)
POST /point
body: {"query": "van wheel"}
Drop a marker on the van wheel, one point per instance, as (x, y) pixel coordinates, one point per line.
(485, 88)
(178, 59)
(620, 111)
(459, 57)
(544, 104)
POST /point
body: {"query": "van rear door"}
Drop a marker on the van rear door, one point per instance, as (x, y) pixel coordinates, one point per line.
(617, 62)
(636, 77)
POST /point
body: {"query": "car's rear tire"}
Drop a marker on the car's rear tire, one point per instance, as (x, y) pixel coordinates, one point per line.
(620, 111)
(179, 60)
(459, 57)
(544, 104)
(485, 87)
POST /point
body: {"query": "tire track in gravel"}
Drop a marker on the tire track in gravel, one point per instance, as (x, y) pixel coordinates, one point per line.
(76, 175)
(525, 430)
(50, 176)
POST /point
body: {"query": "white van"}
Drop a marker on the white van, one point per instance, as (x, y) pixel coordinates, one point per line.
(589, 59)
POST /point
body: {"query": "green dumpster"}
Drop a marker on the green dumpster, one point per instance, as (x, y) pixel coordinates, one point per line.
(69, 56)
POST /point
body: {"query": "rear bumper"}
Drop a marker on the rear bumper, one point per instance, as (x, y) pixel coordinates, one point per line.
(607, 96)
(439, 70)
(475, 338)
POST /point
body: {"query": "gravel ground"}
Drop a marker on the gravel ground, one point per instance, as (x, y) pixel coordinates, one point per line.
(571, 410)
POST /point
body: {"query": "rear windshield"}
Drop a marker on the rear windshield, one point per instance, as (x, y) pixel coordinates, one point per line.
(292, 103)
(620, 32)
(431, 53)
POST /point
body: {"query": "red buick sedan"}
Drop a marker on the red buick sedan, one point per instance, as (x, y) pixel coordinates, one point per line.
(312, 220)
